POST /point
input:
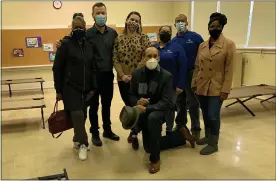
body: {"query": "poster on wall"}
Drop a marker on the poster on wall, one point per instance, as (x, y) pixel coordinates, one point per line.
(18, 52)
(48, 47)
(152, 37)
(52, 56)
(33, 42)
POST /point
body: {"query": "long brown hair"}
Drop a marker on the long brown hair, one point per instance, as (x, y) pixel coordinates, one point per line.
(140, 22)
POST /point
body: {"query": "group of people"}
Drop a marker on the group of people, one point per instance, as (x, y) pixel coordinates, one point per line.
(179, 74)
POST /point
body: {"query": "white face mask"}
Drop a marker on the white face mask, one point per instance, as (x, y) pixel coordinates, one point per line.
(180, 27)
(151, 64)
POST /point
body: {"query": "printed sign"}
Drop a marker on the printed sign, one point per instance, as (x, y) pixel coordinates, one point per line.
(33, 42)
(152, 36)
(52, 56)
(18, 52)
(48, 47)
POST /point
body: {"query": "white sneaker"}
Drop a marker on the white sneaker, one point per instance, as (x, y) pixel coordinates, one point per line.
(76, 146)
(83, 152)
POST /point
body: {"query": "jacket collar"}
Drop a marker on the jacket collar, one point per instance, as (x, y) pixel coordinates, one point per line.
(216, 48)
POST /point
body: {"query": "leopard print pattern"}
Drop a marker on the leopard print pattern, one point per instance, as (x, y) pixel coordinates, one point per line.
(128, 53)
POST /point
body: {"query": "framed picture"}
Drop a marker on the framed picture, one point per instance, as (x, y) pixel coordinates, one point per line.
(18, 52)
(33, 42)
(48, 47)
(52, 56)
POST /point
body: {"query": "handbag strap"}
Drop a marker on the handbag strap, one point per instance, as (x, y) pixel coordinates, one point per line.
(57, 136)
(56, 107)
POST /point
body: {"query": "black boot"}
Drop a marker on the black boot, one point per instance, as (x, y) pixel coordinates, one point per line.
(96, 140)
(212, 146)
(204, 140)
(110, 135)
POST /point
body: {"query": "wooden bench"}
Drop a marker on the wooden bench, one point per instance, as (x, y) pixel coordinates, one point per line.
(22, 81)
(26, 104)
(250, 92)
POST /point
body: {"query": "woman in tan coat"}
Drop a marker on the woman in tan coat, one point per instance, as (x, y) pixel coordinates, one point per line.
(212, 79)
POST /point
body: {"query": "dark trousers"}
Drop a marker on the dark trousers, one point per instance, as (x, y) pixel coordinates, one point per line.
(105, 90)
(124, 91)
(211, 106)
(153, 141)
(78, 120)
(181, 116)
(192, 103)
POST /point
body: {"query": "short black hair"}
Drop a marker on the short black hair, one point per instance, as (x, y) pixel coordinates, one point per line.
(98, 4)
(165, 26)
(77, 14)
(218, 16)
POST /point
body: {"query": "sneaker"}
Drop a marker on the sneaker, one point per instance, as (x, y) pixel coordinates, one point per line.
(77, 146)
(83, 152)
(96, 140)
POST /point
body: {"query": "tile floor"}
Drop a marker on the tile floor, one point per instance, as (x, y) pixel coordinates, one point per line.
(247, 148)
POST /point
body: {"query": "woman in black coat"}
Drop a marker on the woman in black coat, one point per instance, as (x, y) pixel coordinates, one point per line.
(74, 80)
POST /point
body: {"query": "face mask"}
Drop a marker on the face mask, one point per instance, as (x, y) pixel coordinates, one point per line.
(180, 27)
(132, 26)
(100, 20)
(78, 34)
(151, 64)
(165, 37)
(215, 33)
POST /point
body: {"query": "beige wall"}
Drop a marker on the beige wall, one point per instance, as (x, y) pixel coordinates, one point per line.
(37, 14)
(34, 14)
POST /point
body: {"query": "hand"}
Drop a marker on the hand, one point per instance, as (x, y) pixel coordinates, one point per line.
(126, 78)
(178, 91)
(58, 43)
(58, 97)
(223, 96)
(143, 102)
(89, 95)
(142, 109)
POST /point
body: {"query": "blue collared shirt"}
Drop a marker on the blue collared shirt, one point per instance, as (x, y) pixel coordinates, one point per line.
(190, 41)
(173, 59)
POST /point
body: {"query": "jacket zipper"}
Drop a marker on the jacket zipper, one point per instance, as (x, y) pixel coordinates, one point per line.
(83, 56)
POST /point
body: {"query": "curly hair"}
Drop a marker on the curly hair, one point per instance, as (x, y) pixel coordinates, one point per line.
(218, 16)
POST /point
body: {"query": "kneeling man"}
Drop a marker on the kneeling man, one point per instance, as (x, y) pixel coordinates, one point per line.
(151, 94)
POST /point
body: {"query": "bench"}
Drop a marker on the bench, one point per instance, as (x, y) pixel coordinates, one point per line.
(62, 176)
(22, 81)
(250, 92)
(33, 103)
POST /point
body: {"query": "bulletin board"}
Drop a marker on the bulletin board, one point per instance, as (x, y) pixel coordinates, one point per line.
(36, 56)
(32, 56)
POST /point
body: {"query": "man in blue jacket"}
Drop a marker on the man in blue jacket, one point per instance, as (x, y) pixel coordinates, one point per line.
(190, 41)
(173, 59)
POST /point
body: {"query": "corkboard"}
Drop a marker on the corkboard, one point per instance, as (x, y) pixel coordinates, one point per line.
(32, 56)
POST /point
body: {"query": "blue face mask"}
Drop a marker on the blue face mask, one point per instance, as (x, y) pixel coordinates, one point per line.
(180, 26)
(100, 20)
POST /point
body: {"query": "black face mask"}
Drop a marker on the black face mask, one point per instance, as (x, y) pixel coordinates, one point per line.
(215, 33)
(78, 34)
(165, 37)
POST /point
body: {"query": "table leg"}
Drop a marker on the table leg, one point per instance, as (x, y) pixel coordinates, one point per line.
(274, 96)
(41, 86)
(10, 92)
(242, 103)
(42, 117)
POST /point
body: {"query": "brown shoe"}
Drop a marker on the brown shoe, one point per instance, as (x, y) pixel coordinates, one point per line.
(187, 135)
(154, 167)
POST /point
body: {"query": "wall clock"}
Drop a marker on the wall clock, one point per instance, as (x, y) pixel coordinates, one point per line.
(57, 4)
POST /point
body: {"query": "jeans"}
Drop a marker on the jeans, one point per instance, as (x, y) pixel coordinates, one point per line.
(170, 113)
(211, 106)
(124, 91)
(192, 103)
(153, 142)
(105, 90)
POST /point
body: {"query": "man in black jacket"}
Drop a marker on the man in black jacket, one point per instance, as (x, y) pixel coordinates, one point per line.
(151, 92)
(102, 38)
